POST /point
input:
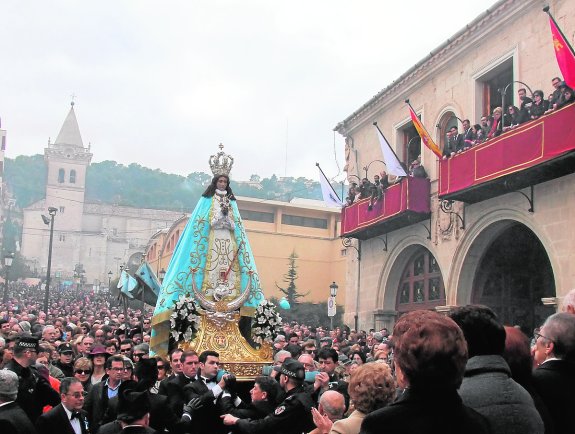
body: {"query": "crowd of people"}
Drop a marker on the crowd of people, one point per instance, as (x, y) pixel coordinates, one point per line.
(456, 142)
(499, 122)
(376, 189)
(84, 367)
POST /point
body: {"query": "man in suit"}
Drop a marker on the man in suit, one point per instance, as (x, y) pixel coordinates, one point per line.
(68, 416)
(554, 378)
(162, 418)
(173, 388)
(455, 143)
(13, 420)
(34, 391)
(133, 413)
(97, 400)
(209, 390)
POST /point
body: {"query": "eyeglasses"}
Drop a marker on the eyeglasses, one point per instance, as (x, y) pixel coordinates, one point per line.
(125, 350)
(161, 367)
(310, 351)
(117, 369)
(83, 371)
(77, 395)
(539, 335)
(138, 354)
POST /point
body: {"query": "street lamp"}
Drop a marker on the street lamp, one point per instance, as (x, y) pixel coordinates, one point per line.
(161, 275)
(333, 293)
(8, 258)
(49, 221)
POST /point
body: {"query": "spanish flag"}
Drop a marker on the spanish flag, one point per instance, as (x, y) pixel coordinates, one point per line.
(425, 137)
(564, 54)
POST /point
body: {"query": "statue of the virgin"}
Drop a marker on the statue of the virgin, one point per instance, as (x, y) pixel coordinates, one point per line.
(212, 261)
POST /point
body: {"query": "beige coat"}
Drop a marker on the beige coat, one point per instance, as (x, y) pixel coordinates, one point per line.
(351, 425)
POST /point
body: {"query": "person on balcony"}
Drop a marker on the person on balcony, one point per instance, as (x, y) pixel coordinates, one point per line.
(565, 98)
(495, 127)
(513, 118)
(416, 170)
(539, 106)
(525, 105)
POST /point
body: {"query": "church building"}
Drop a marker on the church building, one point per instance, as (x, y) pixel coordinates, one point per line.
(91, 241)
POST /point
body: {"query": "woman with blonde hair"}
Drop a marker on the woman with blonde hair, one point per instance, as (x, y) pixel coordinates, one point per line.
(83, 372)
(371, 387)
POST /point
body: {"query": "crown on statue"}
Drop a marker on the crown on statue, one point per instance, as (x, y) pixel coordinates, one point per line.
(221, 163)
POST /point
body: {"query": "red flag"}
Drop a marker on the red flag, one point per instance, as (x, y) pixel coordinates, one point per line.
(564, 54)
(425, 137)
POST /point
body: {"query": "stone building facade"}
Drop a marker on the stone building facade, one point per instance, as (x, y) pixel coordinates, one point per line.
(514, 255)
(89, 239)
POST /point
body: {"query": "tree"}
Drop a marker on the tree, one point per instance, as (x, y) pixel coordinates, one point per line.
(291, 293)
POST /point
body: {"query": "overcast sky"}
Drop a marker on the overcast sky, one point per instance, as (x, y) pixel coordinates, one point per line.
(162, 83)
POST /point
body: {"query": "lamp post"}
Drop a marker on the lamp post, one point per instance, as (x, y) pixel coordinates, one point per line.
(8, 258)
(366, 168)
(110, 274)
(161, 275)
(331, 303)
(49, 221)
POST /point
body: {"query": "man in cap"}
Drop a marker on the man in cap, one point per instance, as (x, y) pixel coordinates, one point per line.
(34, 392)
(66, 359)
(68, 416)
(13, 420)
(133, 413)
(292, 416)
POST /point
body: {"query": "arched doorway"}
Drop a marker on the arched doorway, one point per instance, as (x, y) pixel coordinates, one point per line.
(513, 275)
(447, 121)
(421, 284)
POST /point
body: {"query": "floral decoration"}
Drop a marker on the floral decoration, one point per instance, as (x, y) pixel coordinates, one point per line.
(184, 320)
(267, 323)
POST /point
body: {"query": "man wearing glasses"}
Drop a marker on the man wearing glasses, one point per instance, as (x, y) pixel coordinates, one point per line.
(34, 391)
(68, 415)
(554, 378)
(97, 400)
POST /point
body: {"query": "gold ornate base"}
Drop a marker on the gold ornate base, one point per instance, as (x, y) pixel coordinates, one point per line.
(236, 354)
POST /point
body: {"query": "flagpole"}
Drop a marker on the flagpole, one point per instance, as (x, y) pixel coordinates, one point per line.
(376, 126)
(411, 107)
(330, 186)
(546, 10)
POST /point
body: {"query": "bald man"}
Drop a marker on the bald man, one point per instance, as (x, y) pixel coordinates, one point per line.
(330, 409)
(568, 302)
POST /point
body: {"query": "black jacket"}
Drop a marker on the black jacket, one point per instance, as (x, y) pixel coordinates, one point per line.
(554, 381)
(34, 391)
(419, 412)
(161, 415)
(292, 416)
(56, 421)
(173, 388)
(207, 419)
(13, 420)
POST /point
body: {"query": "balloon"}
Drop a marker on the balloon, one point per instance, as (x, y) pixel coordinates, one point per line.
(284, 304)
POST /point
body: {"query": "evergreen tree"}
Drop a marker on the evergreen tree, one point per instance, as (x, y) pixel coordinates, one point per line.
(291, 293)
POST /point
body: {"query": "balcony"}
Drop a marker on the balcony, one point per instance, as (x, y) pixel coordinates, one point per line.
(535, 152)
(402, 205)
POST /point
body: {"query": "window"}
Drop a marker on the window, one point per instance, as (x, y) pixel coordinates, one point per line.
(61, 175)
(62, 210)
(308, 222)
(72, 176)
(421, 285)
(62, 237)
(492, 82)
(447, 121)
(258, 216)
(411, 144)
